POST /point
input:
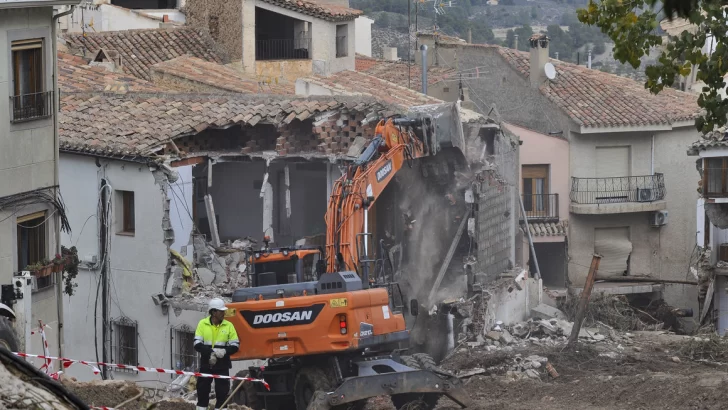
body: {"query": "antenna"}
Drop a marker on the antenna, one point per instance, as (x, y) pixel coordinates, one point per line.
(550, 71)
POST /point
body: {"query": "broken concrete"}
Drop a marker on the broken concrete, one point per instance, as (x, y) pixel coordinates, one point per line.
(543, 311)
(206, 276)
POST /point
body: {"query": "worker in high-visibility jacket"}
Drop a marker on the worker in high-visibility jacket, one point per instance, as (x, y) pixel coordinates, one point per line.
(215, 339)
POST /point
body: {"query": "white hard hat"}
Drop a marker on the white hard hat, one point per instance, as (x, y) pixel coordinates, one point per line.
(217, 304)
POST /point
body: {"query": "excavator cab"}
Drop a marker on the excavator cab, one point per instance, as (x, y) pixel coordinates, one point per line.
(278, 266)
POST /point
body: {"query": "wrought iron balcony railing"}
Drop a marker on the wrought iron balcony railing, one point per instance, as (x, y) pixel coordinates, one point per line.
(541, 206)
(645, 188)
(283, 49)
(28, 107)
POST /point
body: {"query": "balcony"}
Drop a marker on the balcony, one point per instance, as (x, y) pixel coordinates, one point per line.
(616, 195)
(283, 49)
(29, 107)
(541, 207)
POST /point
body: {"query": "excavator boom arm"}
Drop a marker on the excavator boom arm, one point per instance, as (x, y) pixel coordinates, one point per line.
(355, 192)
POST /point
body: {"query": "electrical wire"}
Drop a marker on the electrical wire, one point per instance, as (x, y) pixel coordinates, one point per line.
(40, 224)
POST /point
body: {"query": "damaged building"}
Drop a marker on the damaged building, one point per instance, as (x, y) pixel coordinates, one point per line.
(710, 260)
(621, 146)
(180, 169)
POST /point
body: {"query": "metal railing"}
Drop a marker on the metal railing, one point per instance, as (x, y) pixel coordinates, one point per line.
(341, 46)
(28, 107)
(541, 206)
(283, 49)
(645, 188)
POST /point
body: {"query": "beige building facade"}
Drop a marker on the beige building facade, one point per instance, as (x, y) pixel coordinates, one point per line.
(30, 210)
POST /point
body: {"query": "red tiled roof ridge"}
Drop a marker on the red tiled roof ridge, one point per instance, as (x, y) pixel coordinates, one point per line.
(331, 12)
(217, 75)
(593, 98)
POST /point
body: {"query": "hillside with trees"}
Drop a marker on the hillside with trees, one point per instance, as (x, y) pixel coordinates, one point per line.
(488, 24)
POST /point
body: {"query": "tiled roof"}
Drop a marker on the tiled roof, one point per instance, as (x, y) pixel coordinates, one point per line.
(75, 75)
(138, 124)
(317, 9)
(397, 72)
(715, 139)
(593, 98)
(356, 83)
(548, 228)
(140, 49)
(218, 76)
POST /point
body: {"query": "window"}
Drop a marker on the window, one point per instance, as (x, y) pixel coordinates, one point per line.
(535, 189)
(342, 49)
(33, 245)
(715, 173)
(29, 100)
(184, 355)
(125, 219)
(124, 342)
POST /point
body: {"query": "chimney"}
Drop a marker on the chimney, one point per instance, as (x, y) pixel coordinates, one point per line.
(588, 64)
(470, 36)
(390, 53)
(539, 57)
(515, 41)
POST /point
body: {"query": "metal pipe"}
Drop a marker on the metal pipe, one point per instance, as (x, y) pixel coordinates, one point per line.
(530, 240)
(56, 157)
(588, 64)
(423, 48)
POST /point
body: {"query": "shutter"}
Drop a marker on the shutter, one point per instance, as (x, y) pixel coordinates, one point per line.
(615, 247)
(613, 162)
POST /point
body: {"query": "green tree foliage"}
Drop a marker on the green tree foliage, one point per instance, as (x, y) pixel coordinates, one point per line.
(534, 12)
(382, 21)
(561, 42)
(633, 27)
(482, 33)
(524, 33)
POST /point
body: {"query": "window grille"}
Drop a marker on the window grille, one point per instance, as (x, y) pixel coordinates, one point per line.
(184, 356)
(124, 343)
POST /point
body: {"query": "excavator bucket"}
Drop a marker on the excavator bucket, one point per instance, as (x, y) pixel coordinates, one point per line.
(444, 138)
(445, 127)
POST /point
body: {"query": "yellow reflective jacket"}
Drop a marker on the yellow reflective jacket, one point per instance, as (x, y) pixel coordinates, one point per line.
(209, 336)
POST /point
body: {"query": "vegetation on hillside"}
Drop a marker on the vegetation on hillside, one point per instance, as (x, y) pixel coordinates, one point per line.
(478, 18)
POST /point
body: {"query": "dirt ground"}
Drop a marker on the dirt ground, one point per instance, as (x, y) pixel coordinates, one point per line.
(652, 370)
(652, 373)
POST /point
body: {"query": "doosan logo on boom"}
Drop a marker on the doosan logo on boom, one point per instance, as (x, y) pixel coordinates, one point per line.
(283, 317)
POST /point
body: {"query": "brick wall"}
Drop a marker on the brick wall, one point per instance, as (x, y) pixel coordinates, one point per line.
(331, 136)
(498, 210)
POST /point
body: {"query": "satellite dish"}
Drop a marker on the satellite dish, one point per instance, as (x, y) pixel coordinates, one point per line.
(550, 71)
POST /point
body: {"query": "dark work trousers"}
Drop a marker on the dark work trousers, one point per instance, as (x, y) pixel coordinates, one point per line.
(204, 385)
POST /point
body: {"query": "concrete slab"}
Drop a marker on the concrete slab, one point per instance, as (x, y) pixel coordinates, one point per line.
(544, 311)
(617, 208)
(621, 288)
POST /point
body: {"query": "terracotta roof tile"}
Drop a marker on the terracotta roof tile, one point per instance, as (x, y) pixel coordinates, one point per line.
(356, 83)
(75, 75)
(140, 49)
(593, 98)
(560, 228)
(219, 76)
(138, 124)
(317, 9)
(397, 72)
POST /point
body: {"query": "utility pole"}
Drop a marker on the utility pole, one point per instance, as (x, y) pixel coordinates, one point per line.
(409, 43)
(584, 299)
(104, 278)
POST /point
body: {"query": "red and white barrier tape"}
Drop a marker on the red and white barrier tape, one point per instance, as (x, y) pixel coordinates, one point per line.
(48, 364)
(68, 362)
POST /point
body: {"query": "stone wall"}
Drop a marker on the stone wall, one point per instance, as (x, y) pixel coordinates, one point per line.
(222, 19)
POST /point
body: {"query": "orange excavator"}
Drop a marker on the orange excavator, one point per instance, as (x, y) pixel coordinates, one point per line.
(332, 332)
